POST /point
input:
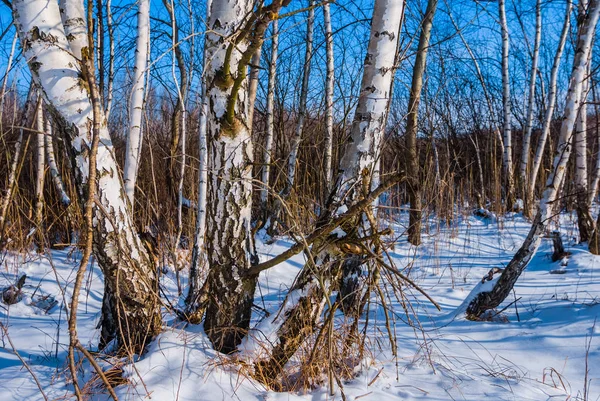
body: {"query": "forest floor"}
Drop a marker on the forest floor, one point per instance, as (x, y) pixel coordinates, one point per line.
(538, 348)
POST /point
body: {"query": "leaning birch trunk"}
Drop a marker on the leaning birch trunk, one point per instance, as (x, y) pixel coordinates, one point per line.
(266, 168)
(507, 115)
(131, 285)
(54, 173)
(502, 286)
(40, 168)
(300, 311)
(552, 93)
(293, 157)
(531, 99)
(413, 184)
(136, 103)
(328, 96)
(229, 243)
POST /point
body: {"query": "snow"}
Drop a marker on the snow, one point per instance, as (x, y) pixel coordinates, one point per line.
(534, 350)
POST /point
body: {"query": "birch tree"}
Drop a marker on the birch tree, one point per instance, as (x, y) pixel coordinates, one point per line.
(328, 94)
(503, 285)
(235, 32)
(506, 107)
(304, 304)
(551, 104)
(40, 168)
(136, 103)
(134, 317)
(54, 173)
(531, 96)
(413, 167)
(266, 168)
(292, 161)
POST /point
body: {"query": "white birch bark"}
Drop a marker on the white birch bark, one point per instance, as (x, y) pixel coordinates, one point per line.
(5, 80)
(507, 115)
(503, 286)
(40, 165)
(54, 172)
(253, 84)
(285, 330)
(596, 172)
(266, 168)
(228, 241)
(531, 97)
(55, 70)
(111, 59)
(328, 95)
(552, 94)
(136, 103)
(74, 21)
(293, 158)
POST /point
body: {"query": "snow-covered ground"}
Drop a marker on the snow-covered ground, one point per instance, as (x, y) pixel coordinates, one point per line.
(538, 349)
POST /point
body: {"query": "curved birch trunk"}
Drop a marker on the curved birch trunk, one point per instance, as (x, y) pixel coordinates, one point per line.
(502, 286)
(552, 93)
(266, 168)
(303, 306)
(413, 184)
(131, 285)
(136, 103)
(531, 97)
(507, 115)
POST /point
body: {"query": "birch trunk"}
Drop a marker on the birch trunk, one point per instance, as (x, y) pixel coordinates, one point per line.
(136, 103)
(229, 243)
(196, 298)
(531, 98)
(596, 175)
(5, 80)
(302, 308)
(584, 217)
(507, 115)
(266, 168)
(12, 174)
(40, 168)
(412, 156)
(111, 59)
(253, 84)
(328, 95)
(552, 93)
(502, 287)
(293, 158)
(131, 286)
(54, 173)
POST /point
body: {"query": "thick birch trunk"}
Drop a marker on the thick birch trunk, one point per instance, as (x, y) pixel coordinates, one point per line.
(303, 306)
(136, 103)
(328, 95)
(412, 156)
(507, 115)
(552, 93)
(131, 286)
(531, 98)
(266, 168)
(54, 173)
(502, 287)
